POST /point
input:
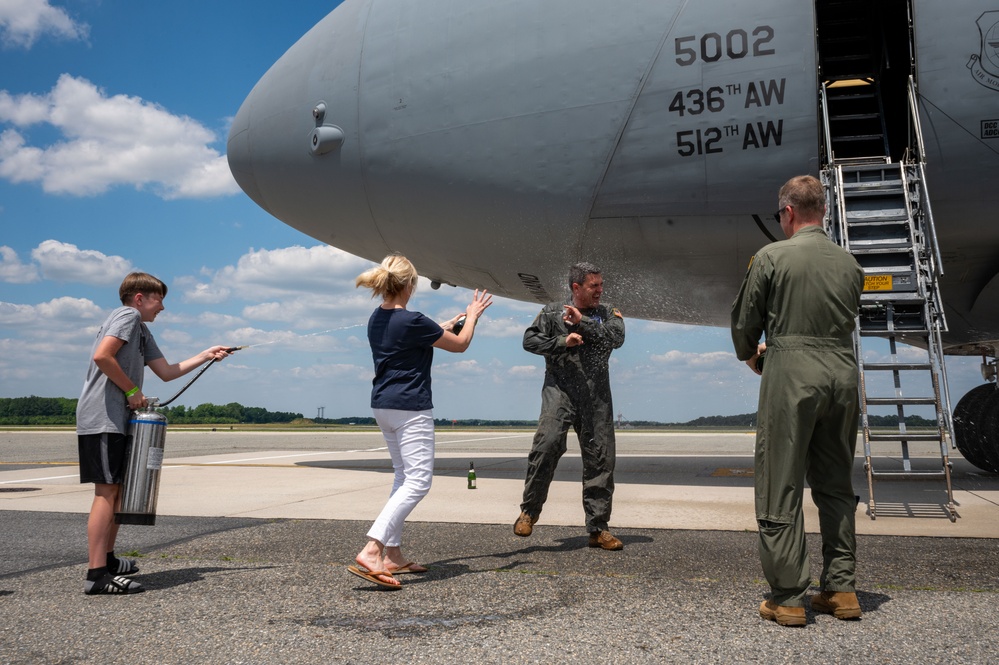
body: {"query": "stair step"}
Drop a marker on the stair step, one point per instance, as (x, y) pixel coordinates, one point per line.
(873, 178)
(895, 401)
(899, 297)
(897, 366)
(898, 333)
(858, 137)
(850, 93)
(894, 271)
(898, 436)
(854, 116)
(871, 220)
(881, 246)
(868, 191)
(879, 249)
(887, 190)
(858, 169)
(865, 215)
(890, 238)
(842, 39)
(883, 250)
(907, 475)
(905, 258)
(890, 227)
(857, 70)
(846, 57)
(869, 159)
(883, 239)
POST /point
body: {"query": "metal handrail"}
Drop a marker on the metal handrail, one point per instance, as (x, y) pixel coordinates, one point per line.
(825, 123)
(914, 112)
(921, 161)
(931, 227)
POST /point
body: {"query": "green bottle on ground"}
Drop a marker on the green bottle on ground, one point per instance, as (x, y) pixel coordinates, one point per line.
(471, 476)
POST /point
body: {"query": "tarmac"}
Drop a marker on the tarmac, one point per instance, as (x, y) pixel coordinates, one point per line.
(246, 560)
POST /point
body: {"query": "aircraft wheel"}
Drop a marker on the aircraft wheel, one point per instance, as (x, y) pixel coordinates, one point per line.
(976, 435)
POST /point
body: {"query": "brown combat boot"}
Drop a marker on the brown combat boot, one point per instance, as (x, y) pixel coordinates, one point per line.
(782, 614)
(524, 525)
(840, 604)
(604, 540)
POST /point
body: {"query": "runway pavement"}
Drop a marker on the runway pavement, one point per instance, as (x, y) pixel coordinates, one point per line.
(246, 561)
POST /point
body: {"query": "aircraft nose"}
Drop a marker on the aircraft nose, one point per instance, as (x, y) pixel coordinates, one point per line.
(238, 154)
(293, 146)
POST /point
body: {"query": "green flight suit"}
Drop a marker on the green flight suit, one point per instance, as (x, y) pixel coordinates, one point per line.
(803, 294)
(576, 393)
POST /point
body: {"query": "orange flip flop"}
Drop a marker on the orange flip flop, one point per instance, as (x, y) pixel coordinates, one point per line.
(372, 576)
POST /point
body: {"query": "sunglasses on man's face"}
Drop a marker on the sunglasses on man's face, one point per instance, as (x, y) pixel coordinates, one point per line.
(777, 214)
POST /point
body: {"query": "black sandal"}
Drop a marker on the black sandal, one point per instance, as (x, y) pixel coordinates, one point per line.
(111, 584)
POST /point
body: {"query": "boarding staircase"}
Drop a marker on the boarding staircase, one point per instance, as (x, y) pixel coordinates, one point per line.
(879, 211)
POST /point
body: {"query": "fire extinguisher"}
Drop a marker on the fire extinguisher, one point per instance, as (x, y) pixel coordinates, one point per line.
(141, 484)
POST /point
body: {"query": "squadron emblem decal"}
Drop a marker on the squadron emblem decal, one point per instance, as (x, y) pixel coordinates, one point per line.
(985, 65)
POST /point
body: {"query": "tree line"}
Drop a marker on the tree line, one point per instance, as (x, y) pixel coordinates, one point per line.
(35, 410)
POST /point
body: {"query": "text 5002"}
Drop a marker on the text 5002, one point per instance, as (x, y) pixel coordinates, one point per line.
(735, 45)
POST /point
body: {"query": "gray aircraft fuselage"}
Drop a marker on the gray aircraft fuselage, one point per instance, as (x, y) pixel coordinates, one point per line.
(496, 143)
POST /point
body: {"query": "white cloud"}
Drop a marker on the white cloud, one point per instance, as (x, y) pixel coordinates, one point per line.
(283, 340)
(305, 287)
(22, 22)
(68, 263)
(175, 337)
(639, 325)
(24, 110)
(200, 293)
(311, 311)
(217, 320)
(18, 161)
(109, 141)
(319, 269)
(76, 311)
(678, 359)
(332, 372)
(509, 327)
(13, 271)
(459, 371)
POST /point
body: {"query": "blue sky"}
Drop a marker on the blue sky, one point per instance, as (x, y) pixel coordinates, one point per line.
(113, 122)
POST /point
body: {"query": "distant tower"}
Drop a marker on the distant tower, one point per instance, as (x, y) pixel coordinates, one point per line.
(319, 415)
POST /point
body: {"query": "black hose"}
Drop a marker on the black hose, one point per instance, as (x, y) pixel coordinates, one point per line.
(196, 376)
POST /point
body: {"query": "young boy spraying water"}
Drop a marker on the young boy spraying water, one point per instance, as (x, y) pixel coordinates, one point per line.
(111, 391)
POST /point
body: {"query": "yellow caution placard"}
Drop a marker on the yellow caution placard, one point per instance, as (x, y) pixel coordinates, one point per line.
(877, 282)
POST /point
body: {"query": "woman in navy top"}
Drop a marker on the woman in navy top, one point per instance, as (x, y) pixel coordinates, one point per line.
(402, 347)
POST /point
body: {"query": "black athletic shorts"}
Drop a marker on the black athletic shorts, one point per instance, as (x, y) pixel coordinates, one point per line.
(103, 457)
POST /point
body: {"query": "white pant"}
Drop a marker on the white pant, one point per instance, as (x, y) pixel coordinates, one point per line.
(410, 439)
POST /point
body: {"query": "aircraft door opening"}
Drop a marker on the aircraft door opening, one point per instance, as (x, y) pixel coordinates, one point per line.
(865, 60)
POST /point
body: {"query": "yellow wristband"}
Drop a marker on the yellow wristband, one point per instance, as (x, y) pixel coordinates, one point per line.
(132, 391)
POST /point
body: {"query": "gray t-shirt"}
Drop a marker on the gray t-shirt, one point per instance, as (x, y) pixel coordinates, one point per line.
(103, 406)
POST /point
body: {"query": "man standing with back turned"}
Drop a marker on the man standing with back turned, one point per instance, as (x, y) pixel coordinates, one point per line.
(803, 294)
(576, 338)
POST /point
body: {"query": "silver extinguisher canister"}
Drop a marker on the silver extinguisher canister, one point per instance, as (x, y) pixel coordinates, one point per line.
(141, 485)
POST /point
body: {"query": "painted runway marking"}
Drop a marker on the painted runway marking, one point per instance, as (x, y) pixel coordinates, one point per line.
(490, 438)
(254, 459)
(35, 480)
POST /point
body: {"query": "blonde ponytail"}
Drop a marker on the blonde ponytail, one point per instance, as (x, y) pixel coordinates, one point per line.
(390, 278)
